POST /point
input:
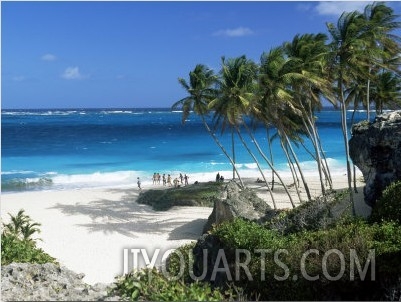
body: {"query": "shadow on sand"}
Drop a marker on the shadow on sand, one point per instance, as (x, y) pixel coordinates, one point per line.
(128, 218)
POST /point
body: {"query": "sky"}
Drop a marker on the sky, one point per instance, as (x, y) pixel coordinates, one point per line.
(130, 54)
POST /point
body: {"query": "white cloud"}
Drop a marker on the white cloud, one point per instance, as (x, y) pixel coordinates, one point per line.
(336, 8)
(72, 73)
(234, 32)
(48, 57)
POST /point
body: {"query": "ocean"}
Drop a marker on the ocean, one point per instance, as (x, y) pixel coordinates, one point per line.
(75, 148)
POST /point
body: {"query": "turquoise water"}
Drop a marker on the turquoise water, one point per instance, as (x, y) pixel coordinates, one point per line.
(63, 149)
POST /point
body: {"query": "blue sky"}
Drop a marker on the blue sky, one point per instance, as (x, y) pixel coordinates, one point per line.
(130, 54)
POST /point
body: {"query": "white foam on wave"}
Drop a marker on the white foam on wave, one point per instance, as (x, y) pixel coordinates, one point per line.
(16, 172)
(99, 179)
(116, 112)
(55, 181)
(43, 112)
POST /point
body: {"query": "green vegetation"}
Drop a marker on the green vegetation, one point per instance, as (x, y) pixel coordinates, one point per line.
(17, 244)
(384, 239)
(201, 194)
(152, 285)
(388, 207)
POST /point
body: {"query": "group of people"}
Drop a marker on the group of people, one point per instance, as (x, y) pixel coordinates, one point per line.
(219, 178)
(157, 179)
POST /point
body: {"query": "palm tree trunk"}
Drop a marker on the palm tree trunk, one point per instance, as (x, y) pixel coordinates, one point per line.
(271, 153)
(293, 173)
(326, 170)
(270, 165)
(368, 98)
(312, 137)
(233, 150)
(222, 148)
(323, 166)
(345, 135)
(259, 167)
(299, 169)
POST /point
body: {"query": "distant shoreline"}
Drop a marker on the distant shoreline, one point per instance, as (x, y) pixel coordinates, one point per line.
(327, 108)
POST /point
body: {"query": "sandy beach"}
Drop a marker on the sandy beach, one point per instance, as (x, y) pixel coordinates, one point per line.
(88, 229)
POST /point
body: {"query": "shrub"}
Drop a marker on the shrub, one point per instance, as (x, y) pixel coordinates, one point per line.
(174, 261)
(152, 285)
(17, 244)
(356, 234)
(388, 207)
(14, 249)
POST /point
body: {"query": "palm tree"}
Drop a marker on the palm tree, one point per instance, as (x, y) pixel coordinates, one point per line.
(200, 91)
(386, 91)
(379, 22)
(348, 54)
(361, 44)
(274, 106)
(236, 88)
(306, 65)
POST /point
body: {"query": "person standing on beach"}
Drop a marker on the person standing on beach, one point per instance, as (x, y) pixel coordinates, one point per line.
(138, 183)
(169, 180)
(218, 177)
(164, 179)
(181, 177)
(186, 179)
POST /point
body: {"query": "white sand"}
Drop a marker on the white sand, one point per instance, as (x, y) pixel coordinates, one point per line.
(87, 230)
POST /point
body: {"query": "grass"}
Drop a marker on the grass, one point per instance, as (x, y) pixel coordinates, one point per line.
(200, 195)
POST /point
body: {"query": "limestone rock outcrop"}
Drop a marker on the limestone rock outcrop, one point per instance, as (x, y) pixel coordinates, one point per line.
(235, 202)
(375, 148)
(49, 282)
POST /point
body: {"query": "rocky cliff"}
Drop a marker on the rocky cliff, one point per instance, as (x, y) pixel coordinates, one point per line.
(375, 148)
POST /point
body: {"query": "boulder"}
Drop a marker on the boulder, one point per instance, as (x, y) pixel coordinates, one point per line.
(375, 148)
(236, 202)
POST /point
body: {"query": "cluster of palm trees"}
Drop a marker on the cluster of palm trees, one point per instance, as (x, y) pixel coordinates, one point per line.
(356, 65)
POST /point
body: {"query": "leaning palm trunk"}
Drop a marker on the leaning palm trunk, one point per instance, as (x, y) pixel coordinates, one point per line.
(270, 165)
(312, 135)
(326, 169)
(353, 166)
(258, 165)
(223, 149)
(368, 99)
(270, 152)
(233, 150)
(292, 169)
(299, 168)
(345, 135)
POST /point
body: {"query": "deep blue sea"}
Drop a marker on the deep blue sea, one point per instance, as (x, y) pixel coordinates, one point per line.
(75, 148)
